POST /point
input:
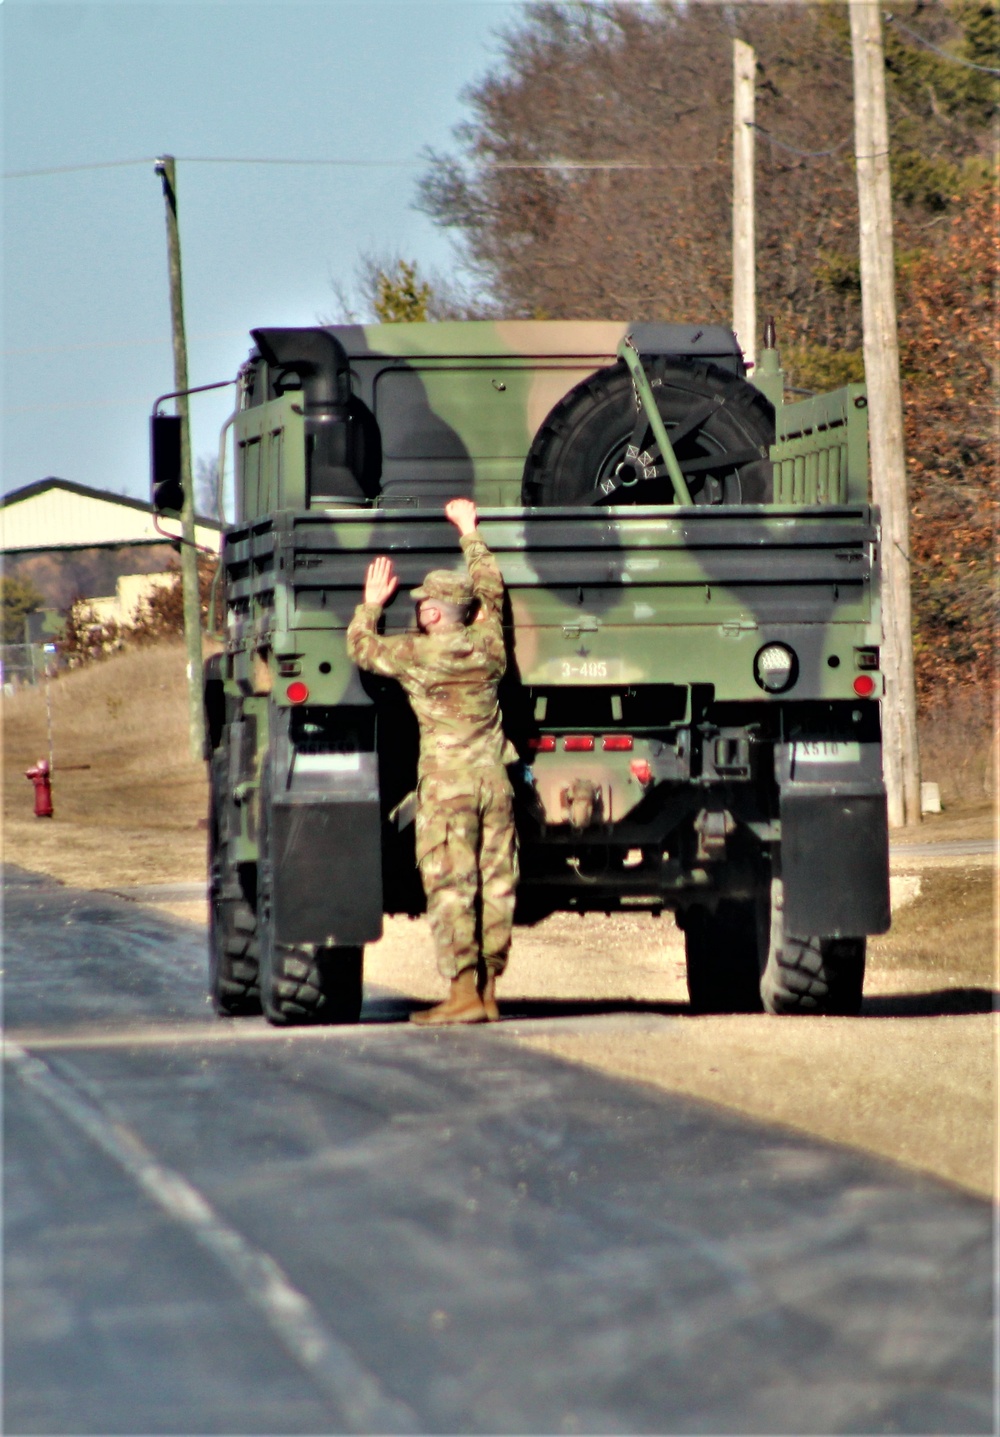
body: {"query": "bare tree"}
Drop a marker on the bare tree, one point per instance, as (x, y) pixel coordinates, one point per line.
(593, 175)
(206, 481)
(592, 178)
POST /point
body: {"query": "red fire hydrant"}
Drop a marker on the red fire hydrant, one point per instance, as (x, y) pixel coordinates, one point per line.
(40, 777)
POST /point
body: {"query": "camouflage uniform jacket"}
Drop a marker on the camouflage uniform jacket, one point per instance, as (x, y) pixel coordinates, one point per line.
(450, 678)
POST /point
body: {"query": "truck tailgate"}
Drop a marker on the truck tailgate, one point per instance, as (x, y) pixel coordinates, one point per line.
(611, 596)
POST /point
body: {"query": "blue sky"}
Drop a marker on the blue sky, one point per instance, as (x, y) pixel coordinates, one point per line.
(86, 325)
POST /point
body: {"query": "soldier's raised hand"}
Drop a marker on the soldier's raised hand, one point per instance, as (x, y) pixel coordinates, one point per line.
(462, 513)
(381, 581)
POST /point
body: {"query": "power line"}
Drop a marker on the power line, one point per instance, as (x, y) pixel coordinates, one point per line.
(214, 160)
(594, 165)
(264, 160)
(498, 164)
(486, 165)
(72, 169)
(411, 164)
(953, 59)
(794, 150)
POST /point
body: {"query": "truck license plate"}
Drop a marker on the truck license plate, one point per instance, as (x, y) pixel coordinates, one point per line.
(826, 751)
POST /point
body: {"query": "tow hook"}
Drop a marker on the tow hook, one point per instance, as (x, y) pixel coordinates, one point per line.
(583, 799)
(713, 826)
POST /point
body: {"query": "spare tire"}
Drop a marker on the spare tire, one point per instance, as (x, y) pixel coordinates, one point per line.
(596, 446)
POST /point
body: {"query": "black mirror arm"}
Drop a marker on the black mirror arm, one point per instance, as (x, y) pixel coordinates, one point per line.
(177, 539)
(198, 389)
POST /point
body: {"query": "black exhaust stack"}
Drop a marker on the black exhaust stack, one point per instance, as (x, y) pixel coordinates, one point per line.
(321, 362)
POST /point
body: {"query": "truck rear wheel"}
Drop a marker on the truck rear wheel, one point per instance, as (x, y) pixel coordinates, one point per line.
(232, 946)
(720, 428)
(813, 974)
(301, 983)
(722, 949)
(310, 985)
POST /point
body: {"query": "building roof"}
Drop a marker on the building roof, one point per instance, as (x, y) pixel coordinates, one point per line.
(58, 514)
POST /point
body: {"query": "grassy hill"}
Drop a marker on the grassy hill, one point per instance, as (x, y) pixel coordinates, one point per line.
(136, 815)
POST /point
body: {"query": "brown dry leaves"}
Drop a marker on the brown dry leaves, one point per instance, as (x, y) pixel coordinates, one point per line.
(950, 351)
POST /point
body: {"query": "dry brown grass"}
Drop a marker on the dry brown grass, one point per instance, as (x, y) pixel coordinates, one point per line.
(946, 938)
(958, 747)
(133, 816)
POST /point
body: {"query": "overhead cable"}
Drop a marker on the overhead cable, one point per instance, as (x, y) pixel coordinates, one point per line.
(945, 54)
(72, 169)
(794, 149)
(411, 164)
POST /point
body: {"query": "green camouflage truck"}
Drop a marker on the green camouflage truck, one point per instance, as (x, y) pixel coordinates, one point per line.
(693, 624)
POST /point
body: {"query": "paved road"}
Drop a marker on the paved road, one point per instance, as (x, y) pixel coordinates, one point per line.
(945, 848)
(222, 1228)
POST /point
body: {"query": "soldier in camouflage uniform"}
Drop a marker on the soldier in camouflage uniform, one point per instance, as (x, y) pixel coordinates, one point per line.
(466, 849)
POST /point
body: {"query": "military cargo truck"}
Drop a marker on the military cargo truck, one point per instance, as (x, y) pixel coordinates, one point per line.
(693, 624)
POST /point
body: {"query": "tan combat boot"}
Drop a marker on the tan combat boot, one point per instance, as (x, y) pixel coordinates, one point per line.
(462, 1005)
(488, 994)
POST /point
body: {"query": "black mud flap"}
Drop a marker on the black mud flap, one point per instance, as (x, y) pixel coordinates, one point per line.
(327, 872)
(835, 863)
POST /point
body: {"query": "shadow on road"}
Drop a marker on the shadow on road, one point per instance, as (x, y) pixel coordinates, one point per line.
(384, 1008)
(944, 1002)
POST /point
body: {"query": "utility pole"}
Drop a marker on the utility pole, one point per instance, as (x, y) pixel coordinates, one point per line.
(885, 411)
(166, 169)
(744, 237)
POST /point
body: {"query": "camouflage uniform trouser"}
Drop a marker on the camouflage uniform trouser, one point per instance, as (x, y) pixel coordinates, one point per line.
(467, 854)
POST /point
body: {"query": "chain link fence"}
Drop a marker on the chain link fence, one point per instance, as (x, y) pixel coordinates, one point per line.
(28, 664)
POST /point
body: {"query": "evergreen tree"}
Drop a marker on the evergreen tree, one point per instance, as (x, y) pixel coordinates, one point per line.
(400, 297)
(18, 599)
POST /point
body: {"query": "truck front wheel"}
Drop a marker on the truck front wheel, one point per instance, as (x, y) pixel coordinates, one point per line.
(811, 975)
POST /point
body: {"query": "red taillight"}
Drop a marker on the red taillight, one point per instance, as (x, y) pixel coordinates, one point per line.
(617, 743)
(297, 693)
(641, 770)
(545, 744)
(864, 685)
(579, 743)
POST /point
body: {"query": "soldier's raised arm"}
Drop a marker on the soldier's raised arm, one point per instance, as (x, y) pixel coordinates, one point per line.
(484, 571)
(365, 645)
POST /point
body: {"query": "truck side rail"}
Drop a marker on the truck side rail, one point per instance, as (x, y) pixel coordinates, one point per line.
(320, 565)
(820, 454)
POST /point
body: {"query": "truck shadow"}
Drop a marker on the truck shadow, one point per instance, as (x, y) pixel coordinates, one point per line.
(395, 1008)
(942, 1003)
(383, 1007)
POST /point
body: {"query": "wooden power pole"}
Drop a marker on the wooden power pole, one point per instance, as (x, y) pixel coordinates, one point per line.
(744, 238)
(885, 411)
(166, 169)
